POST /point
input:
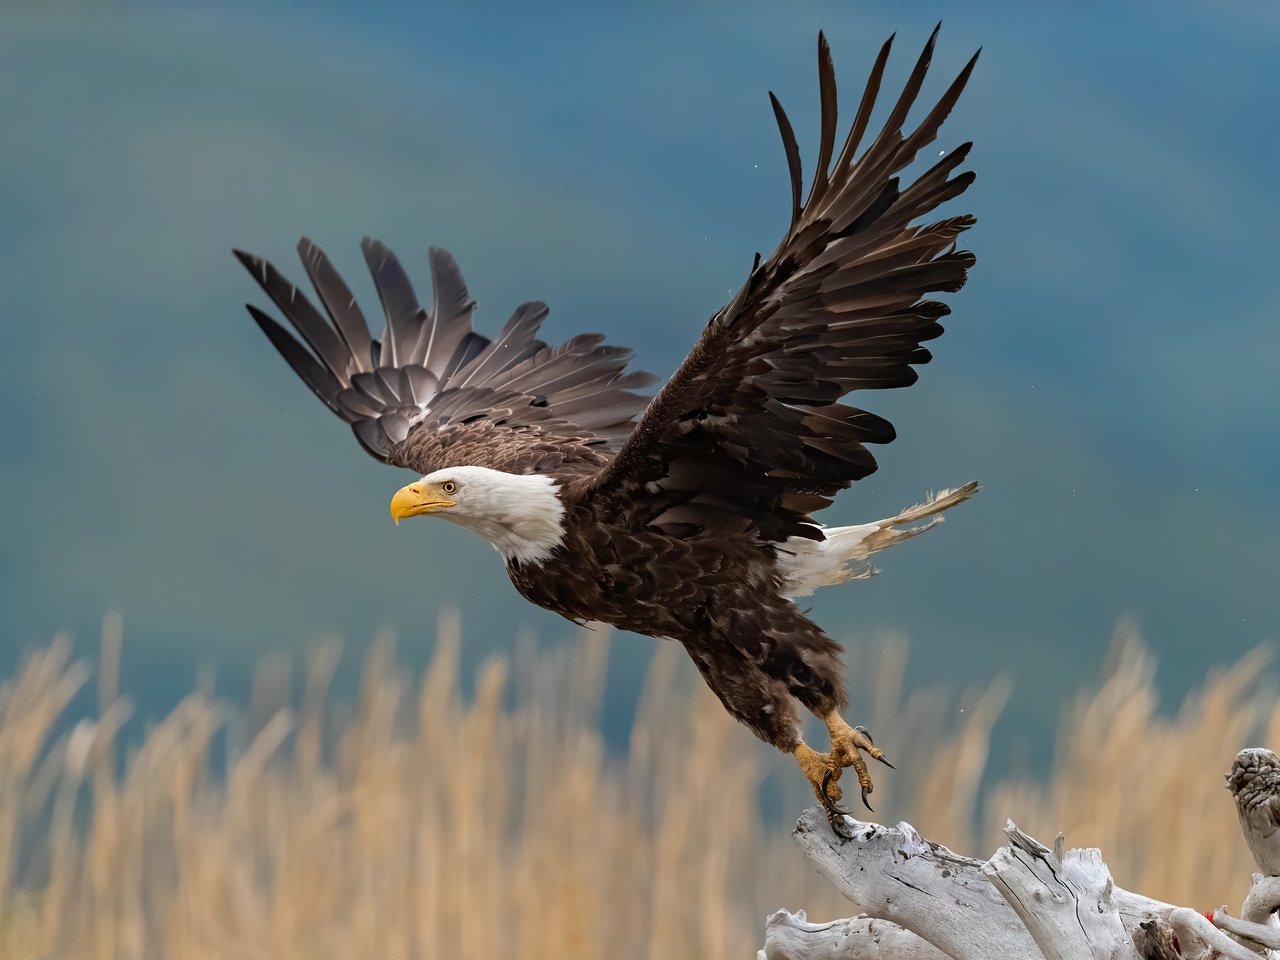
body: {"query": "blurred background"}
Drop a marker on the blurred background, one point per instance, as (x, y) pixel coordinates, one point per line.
(1108, 373)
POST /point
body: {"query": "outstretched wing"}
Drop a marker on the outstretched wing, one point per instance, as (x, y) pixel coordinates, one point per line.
(431, 392)
(749, 432)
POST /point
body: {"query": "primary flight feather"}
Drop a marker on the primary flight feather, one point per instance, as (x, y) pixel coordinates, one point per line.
(689, 515)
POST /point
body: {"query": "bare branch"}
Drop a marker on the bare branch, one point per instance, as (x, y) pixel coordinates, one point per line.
(1259, 933)
(1201, 939)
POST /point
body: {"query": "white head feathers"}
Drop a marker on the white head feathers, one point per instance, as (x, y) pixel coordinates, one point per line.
(519, 514)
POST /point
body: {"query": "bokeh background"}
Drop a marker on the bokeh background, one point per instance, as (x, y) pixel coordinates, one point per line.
(1109, 372)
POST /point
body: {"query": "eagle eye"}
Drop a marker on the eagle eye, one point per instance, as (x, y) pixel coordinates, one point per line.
(449, 487)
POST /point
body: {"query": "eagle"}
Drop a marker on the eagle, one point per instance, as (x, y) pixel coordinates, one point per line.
(687, 515)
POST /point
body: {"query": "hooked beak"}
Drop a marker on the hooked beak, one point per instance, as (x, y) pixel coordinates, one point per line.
(414, 500)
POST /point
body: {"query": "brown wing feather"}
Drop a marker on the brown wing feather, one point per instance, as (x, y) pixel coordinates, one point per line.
(431, 392)
(751, 424)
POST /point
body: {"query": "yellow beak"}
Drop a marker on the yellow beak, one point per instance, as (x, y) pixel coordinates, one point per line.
(415, 499)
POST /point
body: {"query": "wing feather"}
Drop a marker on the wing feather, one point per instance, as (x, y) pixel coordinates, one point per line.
(515, 344)
(399, 304)
(792, 150)
(309, 370)
(431, 392)
(304, 317)
(450, 320)
(339, 302)
(827, 85)
(754, 412)
(866, 105)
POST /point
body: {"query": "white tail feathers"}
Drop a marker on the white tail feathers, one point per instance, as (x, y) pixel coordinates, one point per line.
(807, 565)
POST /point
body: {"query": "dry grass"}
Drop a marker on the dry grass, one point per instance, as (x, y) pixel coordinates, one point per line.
(425, 824)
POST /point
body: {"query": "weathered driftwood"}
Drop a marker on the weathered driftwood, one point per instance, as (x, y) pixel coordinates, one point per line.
(1264, 936)
(951, 902)
(892, 873)
(1067, 901)
(789, 936)
(1254, 782)
(1263, 899)
(921, 901)
(1201, 940)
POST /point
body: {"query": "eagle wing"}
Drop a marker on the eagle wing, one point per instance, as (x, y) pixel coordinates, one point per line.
(749, 432)
(433, 393)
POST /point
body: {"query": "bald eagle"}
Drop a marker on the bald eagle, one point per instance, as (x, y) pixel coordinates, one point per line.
(688, 515)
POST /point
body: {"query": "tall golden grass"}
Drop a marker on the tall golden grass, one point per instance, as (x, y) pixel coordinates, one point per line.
(422, 823)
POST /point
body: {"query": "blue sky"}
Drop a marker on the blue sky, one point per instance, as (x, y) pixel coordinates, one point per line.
(1108, 373)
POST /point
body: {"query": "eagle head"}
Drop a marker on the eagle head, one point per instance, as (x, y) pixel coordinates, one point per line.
(520, 514)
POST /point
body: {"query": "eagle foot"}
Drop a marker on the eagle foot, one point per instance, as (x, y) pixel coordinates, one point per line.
(822, 770)
(848, 744)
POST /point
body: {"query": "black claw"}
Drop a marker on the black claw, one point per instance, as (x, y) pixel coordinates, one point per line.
(865, 732)
(838, 825)
(832, 808)
(882, 759)
(865, 802)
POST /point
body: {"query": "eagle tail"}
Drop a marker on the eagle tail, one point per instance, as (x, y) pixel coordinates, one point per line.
(844, 553)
